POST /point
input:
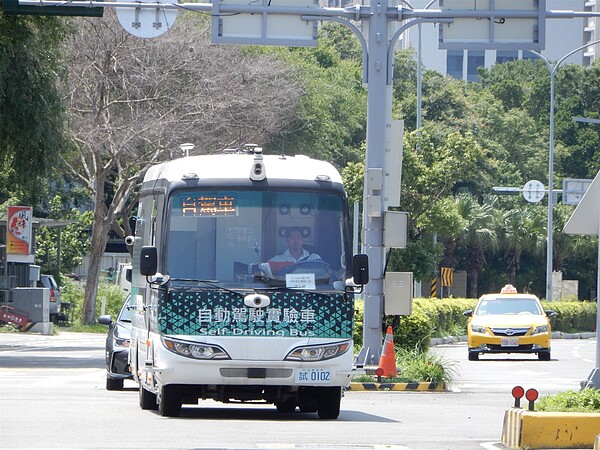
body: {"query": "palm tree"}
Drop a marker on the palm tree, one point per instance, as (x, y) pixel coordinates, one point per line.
(521, 230)
(477, 235)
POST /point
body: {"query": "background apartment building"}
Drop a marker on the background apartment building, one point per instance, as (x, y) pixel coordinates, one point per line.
(562, 36)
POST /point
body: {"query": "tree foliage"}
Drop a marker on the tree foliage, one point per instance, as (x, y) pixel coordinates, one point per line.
(330, 122)
(32, 128)
(132, 102)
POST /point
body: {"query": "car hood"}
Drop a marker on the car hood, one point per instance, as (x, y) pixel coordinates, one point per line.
(509, 320)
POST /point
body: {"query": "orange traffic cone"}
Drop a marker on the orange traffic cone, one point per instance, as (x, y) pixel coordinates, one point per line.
(387, 362)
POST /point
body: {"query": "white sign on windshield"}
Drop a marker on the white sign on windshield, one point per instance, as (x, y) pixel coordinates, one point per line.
(300, 281)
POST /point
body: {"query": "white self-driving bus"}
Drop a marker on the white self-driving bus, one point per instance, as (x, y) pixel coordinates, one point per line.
(213, 318)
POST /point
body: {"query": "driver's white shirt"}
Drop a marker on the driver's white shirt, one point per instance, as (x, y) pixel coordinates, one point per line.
(286, 256)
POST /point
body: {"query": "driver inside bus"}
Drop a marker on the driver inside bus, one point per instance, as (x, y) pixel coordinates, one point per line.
(294, 254)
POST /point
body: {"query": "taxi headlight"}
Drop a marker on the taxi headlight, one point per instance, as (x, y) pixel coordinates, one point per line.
(540, 329)
(318, 352)
(194, 350)
(478, 329)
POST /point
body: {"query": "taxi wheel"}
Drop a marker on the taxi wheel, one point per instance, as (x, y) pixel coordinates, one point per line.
(473, 356)
(544, 356)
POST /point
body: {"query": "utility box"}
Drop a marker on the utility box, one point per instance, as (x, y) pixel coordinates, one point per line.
(36, 301)
(395, 229)
(398, 287)
(34, 274)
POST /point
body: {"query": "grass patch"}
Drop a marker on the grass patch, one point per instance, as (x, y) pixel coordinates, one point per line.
(78, 327)
(416, 366)
(587, 401)
(9, 328)
(424, 366)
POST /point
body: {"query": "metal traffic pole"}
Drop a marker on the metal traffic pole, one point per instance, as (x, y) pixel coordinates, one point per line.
(553, 67)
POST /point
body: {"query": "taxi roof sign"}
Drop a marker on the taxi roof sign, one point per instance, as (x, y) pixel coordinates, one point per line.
(508, 289)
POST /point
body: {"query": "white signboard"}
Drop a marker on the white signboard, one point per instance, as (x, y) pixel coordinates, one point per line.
(300, 281)
(269, 23)
(573, 190)
(502, 29)
(533, 191)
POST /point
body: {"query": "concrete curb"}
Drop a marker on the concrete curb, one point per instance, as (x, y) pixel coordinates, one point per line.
(422, 387)
(524, 429)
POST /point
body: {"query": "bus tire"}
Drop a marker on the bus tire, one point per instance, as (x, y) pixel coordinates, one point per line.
(286, 406)
(328, 403)
(169, 402)
(147, 399)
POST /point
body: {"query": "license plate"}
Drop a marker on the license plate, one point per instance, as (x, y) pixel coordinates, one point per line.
(313, 376)
(509, 342)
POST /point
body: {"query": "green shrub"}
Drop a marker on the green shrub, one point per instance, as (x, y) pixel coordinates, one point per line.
(72, 292)
(414, 331)
(434, 317)
(419, 366)
(573, 316)
(587, 400)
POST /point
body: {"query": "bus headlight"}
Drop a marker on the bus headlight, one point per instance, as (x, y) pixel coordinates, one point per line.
(194, 350)
(318, 352)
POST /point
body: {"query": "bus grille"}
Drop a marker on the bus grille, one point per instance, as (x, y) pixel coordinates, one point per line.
(255, 372)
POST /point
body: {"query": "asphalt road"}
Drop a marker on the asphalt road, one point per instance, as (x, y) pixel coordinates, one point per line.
(572, 361)
(52, 395)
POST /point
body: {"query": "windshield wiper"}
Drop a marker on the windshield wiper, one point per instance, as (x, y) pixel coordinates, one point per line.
(210, 283)
(287, 289)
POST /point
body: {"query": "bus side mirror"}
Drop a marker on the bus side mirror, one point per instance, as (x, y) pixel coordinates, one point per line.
(148, 260)
(360, 269)
(128, 275)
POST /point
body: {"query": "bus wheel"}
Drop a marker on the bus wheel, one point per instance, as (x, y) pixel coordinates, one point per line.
(287, 406)
(169, 402)
(308, 406)
(147, 399)
(328, 403)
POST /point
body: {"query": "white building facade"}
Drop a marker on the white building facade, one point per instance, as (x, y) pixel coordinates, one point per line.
(562, 36)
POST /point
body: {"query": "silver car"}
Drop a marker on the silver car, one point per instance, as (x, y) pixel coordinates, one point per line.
(48, 281)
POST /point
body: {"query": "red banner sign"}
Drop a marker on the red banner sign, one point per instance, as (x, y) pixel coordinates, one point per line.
(18, 230)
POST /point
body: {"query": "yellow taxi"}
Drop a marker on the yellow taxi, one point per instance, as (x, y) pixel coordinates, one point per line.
(509, 322)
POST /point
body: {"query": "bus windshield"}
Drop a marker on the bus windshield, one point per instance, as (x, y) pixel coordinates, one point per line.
(251, 239)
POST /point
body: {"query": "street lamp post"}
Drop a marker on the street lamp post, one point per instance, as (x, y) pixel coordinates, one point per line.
(420, 74)
(553, 67)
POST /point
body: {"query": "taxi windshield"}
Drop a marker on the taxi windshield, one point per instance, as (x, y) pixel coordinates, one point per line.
(508, 305)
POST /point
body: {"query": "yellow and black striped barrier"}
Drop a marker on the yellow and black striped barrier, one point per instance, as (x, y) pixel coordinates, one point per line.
(430, 387)
(434, 292)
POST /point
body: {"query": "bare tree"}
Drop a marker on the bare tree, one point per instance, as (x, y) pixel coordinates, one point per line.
(133, 101)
